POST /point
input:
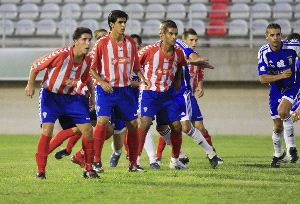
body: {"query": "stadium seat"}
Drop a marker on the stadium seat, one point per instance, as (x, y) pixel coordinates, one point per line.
(297, 11)
(261, 10)
(116, 1)
(284, 1)
(216, 27)
(72, 1)
(133, 27)
(135, 11)
(8, 10)
(296, 26)
(285, 24)
(25, 27)
(90, 23)
(238, 27)
(95, 1)
(52, 1)
(219, 1)
(241, 1)
(259, 27)
(155, 11)
(218, 11)
(151, 27)
(197, 11)
(46, 27)
(7, 27)
(109, 7)
(50, 10)
(104, 25)
(178, 1)
(29, 11)
(92, 10)
(71, 10)
(263, 1)
(11, 1)
(239, 10)
(199, 1)
(176, 11)
(282, 10)
(198, 25)
(180, 26)
(135, 1)
(66, 26)
(158, 1)
(32, 1)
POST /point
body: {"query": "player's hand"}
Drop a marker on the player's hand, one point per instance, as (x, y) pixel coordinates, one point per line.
(200, 92)
(92, 102)
(296, 115)
(106, 87)
(29, 90)
(206, 65)
(286, 73)
(146, 82)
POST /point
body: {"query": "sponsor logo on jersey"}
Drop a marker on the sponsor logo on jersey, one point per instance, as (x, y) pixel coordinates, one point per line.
(120, 60)
(280, 64)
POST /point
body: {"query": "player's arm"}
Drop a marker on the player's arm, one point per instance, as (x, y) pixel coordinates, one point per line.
(30, 89)
(200, 89)
(105, 86)
(177, 79)
(90, 87)
(267, 78)
(140, 60)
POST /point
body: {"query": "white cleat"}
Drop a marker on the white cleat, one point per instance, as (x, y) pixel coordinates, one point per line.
(176, 164)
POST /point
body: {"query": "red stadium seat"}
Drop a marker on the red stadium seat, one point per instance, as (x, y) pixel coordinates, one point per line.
(216, 28)
(218, 11)
(220, 1)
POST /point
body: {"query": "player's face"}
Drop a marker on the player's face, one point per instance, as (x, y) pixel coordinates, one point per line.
(274, 37)
(170, 36)
(119, 25)
(83, 43)
(192, 41)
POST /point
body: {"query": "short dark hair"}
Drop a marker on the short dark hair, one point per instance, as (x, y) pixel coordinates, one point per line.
(114, 15)
(273, 26)
(189, 31)
(168, 24)
(293, 36)
(81, 30)
(96, 33)
(139, 39)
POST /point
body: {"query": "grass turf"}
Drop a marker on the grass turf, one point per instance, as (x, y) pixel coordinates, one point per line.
(245, 176)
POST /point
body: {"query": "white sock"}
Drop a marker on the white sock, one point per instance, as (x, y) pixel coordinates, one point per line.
(289, 137)
(138, 161)
(149, 147)
(166, 134)
(200, 140)
(182, 154)
(276, 137)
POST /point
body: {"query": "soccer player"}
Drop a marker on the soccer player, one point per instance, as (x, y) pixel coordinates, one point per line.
(114, 56)
(65, 68)
(276, 67)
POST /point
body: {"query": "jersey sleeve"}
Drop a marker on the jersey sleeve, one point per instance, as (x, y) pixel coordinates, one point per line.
(44, 61)
(143, 55)
(136, 64)
(262, 66)
(187, 50)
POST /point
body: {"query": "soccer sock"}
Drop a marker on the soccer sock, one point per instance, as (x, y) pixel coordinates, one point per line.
(208, 138)
(79, 156)
(42, 152)
(126, 143)
(71, 142)
(142, 138)
(99, 138)
(59, 138)
(200, 140)
(182, 154)
(176, 141)
(149, 147)
(133, 145)
(88, 148)
(160, 147)
(166, 135)
(289, 137)
(276, 138)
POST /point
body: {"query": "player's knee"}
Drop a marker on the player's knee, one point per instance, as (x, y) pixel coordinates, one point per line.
(133, 124)
(186, 128)
(283, 114)
(176, 128)
(278, 128)
(87, 131)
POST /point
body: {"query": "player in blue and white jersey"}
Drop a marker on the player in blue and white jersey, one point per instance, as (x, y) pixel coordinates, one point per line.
(277, 67)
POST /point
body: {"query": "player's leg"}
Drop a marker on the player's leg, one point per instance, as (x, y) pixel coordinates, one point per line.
(118, 141)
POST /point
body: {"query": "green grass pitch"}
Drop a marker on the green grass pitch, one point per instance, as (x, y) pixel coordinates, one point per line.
(245, 177)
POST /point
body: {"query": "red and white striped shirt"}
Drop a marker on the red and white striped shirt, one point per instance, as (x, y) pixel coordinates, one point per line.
(160, 69)
(196, 75)
(114, 61)
(62, 75)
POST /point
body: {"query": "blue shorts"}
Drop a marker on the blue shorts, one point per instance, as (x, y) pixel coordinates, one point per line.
(121, 99)
(52, 106)
(196, 113)
(116, 121)
(66, 122)
(160, 104)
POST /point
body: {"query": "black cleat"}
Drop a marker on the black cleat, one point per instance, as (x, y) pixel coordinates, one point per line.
(294, 154)
(214, 161)
(62, 153)
(114, 160)
(277, 160)
(136, 168)
(220, 160)
(185, 160)
(98, 167)
(90, 174)
(154, 166)
(41, 175)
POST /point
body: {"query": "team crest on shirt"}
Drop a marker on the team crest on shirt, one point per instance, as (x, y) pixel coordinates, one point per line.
(44, 114)
(97, 109)
(145, 109)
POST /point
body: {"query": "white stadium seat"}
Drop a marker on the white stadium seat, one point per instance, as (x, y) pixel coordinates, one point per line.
(109, 7)
(66, 26)
(178, 1)
(72, 1)
(296, 26)
(104, 25)
(29, 10)
(46, 27)
(136, 1)
(282, 10)
(261, 10)
(151, 27)
(259, 27)
(199, 1)
(238, 27)
(239, 10)
(176, 11)
(50, 10)
(9, 11)
(241, 1)
(133, 27)
(72, 10)
(155, 11)
(297, 11)
(32, 1)
(197, 11)
(11, 1)
(263, 1)
(52, 1)
(90, 23)
(180, 26)
(135, 11)
(117, 1)
(92, 10)
(95, 1)
(285, 24)
(197, 25)
(157, 1)
(284, 1)
(7, 27)
(25, 27)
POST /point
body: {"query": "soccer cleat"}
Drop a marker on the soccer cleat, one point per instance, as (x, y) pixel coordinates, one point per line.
(176, 164)
(277, 160)
(77, 161)
(62, 153)
(154, 166)
(158, 161)
(136, 168)
(98, 167)
(40, 175)
(114, 160)
(90, 174)
(294, 155)
(220, 160)
(185, 160)
(214, 161)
